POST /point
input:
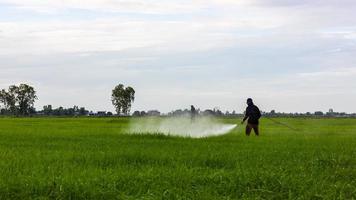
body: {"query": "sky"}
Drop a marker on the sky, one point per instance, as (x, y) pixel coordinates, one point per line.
(288, 55)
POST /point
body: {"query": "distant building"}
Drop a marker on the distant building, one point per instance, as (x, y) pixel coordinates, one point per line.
(136, 113)
(331, 112)
(101, 113)
(208, 112)
(153, 113)
(318, 113)
(143, 113)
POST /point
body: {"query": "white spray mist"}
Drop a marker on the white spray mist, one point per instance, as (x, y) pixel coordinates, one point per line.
(181, 126)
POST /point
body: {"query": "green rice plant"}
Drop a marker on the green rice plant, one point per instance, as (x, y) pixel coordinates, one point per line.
(97, 158)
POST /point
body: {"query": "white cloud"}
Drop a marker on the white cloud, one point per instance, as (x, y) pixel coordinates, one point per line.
(142, 6)
(330, 74)
(118, 34)
(107, 5)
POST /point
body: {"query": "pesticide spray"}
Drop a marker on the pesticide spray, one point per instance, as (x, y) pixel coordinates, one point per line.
(181, 126)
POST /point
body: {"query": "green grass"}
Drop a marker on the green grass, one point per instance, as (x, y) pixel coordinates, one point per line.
(88, 158)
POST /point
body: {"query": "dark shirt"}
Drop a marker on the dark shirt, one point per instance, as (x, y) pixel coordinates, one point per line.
(253, 114)
(192, 110)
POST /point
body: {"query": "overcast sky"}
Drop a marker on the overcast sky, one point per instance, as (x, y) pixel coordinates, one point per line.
(289, 55)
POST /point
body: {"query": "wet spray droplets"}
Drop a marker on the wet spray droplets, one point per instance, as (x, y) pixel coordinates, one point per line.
(181, 126)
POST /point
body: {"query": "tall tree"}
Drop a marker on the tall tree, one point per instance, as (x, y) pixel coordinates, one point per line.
(18, 99)
(8, 99)
(11, 99)
(25, 97)
(122, 98)
(3, 95)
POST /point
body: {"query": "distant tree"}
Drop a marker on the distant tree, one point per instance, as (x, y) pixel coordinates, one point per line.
(3, 100)
(143, 113)
(32, 111)
(25, 96)
(136, 113)
(47, 110)
(18, 99)
(208, 112)
(11, 99)
(217, 112)
(76, 110)
(60, 111)
(8, 99)
(82, 111)
(177, 112)
(122, 98)
(71, 111)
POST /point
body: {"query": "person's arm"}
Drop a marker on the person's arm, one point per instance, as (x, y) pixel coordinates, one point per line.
(246, 117)
(259, 113)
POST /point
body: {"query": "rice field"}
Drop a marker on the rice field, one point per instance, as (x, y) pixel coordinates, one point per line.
(97, 158)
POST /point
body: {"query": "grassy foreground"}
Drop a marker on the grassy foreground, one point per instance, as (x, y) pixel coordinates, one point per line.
(87, 158)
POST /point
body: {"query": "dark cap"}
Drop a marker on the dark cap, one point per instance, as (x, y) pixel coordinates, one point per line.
(249, 101)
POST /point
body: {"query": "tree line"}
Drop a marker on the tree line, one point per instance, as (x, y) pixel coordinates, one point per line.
(60, 111)
(19, 100)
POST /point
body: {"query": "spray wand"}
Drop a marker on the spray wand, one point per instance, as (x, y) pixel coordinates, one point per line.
(283, 124)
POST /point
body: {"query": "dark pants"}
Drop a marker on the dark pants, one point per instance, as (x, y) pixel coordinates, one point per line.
(249, 128)
(192, 117)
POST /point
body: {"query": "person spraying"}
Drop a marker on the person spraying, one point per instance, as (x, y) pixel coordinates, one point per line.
(253, 114)
(193, 113)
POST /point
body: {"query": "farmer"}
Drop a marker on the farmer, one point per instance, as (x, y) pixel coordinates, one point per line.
(253, 115)
(193, 112)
